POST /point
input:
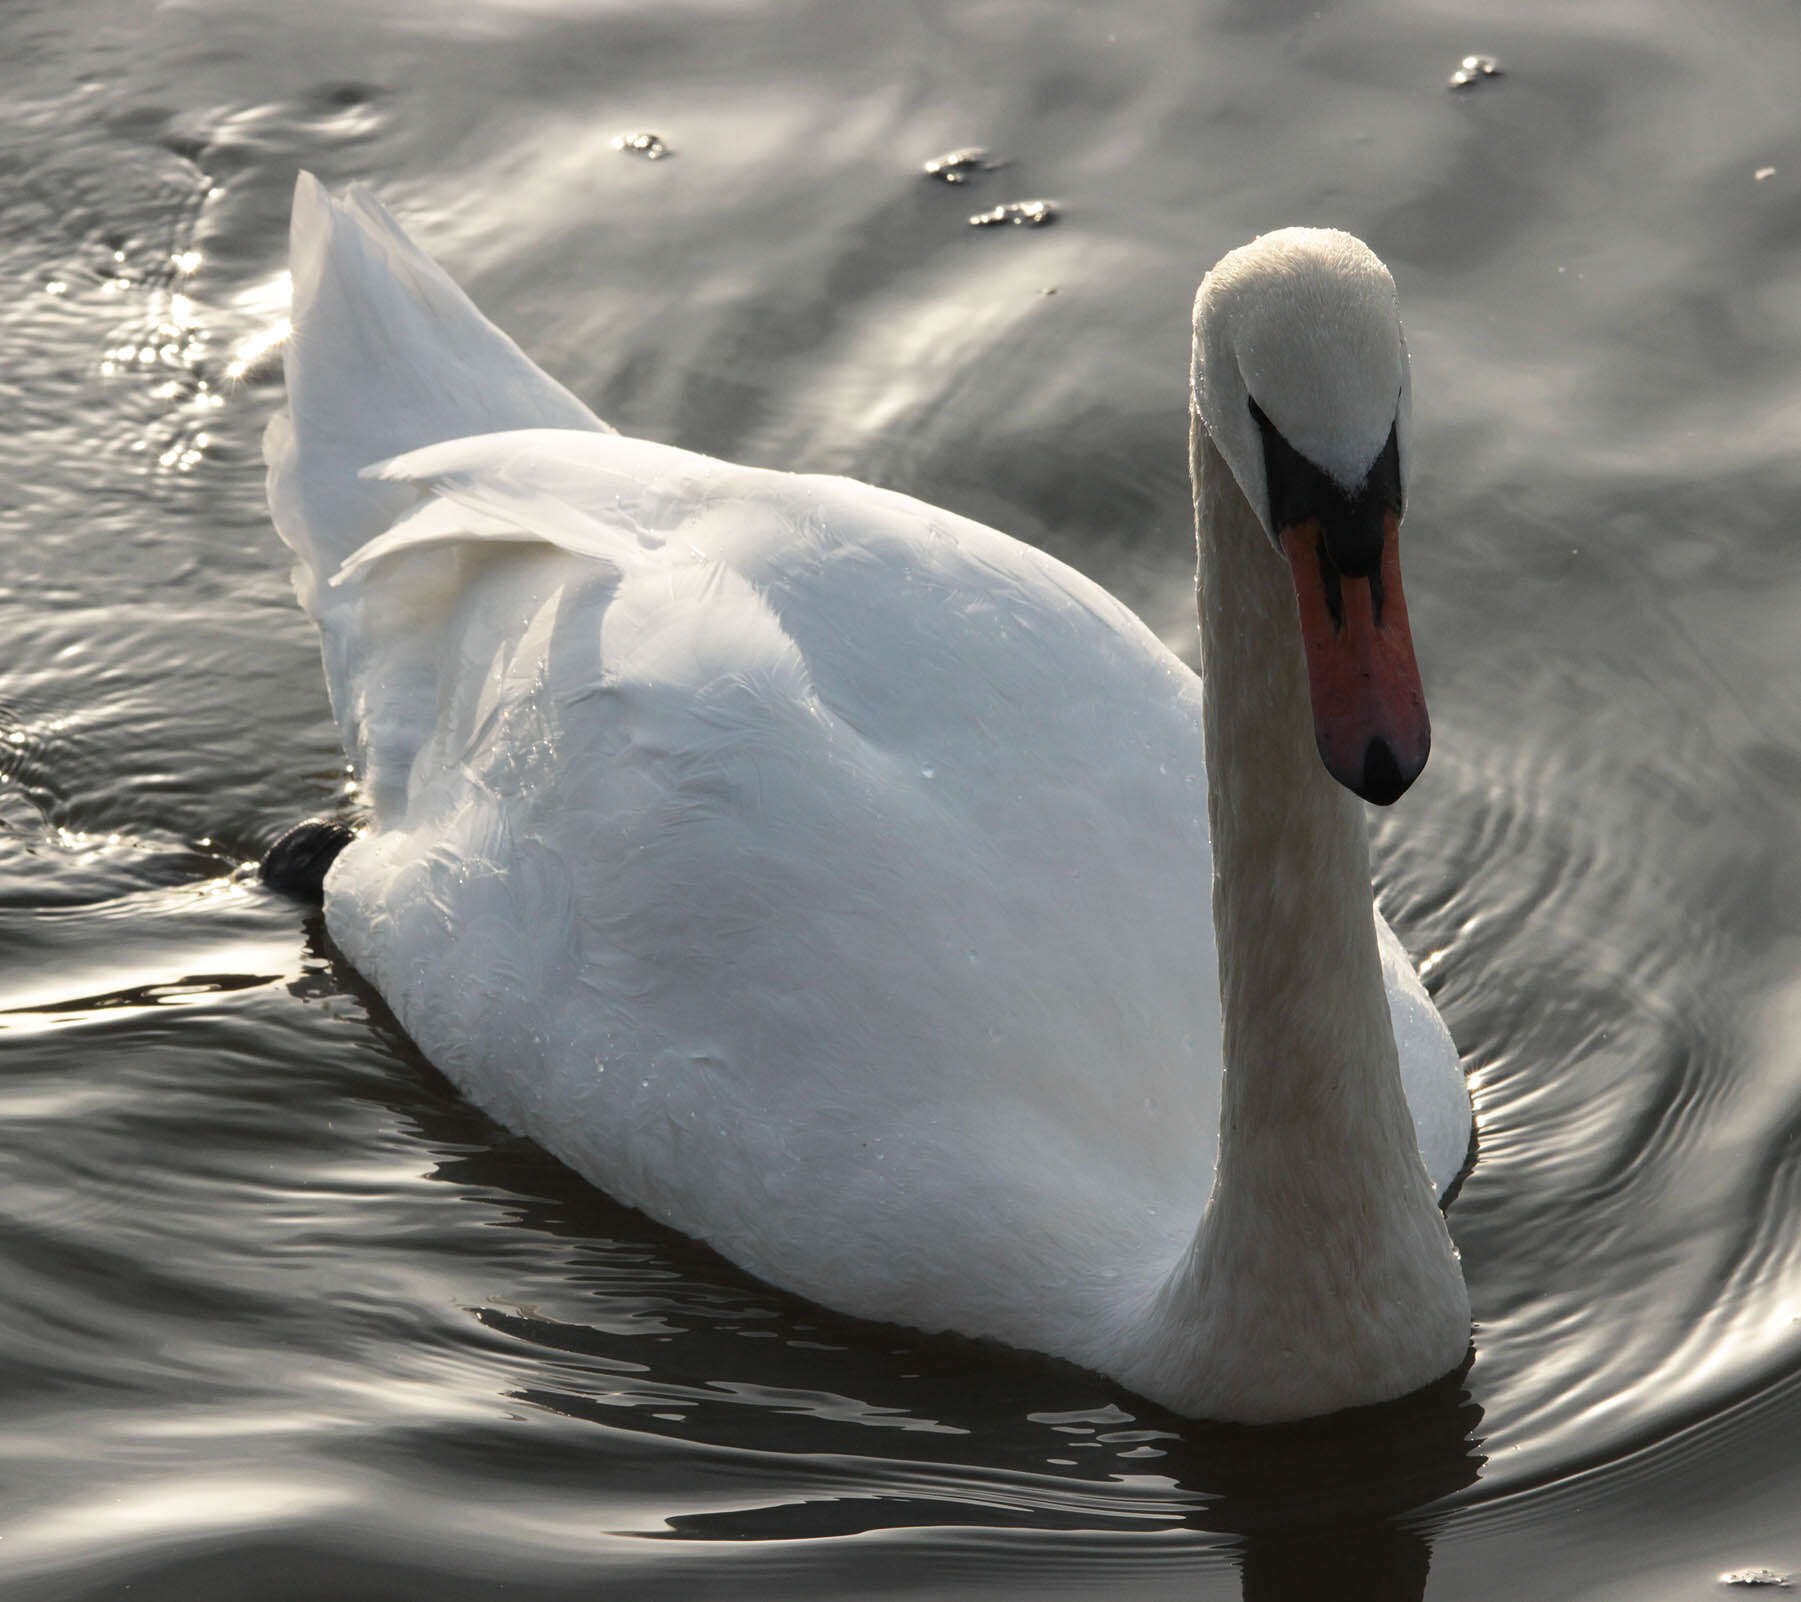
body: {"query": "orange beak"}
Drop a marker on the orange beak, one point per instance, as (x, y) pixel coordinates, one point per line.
(1369, 711)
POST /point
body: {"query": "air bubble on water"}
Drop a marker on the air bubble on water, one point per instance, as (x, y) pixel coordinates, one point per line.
(959, 166)
(1473, 70)
(1020, 213)
(648, 145)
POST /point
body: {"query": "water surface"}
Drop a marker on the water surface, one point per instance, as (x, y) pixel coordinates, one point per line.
(286, 1316)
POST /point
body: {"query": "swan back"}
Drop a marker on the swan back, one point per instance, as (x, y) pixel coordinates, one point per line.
(754, 861)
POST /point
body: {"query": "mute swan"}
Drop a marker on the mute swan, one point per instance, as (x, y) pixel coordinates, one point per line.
(829, 876)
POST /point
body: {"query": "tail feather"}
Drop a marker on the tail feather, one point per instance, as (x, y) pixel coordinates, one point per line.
(386, 355)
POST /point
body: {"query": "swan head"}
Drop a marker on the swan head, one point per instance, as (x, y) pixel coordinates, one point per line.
(1301, 382)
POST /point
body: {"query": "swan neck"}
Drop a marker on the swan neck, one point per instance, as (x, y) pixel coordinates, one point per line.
(1321, 1275)
(1304, 1010)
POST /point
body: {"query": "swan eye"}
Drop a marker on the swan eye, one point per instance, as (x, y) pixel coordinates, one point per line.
(1351, 524)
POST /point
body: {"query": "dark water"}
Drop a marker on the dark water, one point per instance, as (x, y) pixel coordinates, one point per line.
(282, 1317)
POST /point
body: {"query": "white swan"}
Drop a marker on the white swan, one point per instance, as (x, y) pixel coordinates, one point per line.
(828, 875)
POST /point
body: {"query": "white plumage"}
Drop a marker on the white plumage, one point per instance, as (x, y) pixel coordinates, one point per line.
(817, 870)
